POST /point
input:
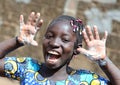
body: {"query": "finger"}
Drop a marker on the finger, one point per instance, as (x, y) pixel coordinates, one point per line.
(85, 52)
(81, 50)
(37, 16)
(39, 24)
(31, 18)
(37, 27)
(37, 19)
(34, 43)
(105, 36)
(86, 39)
(96, 34)
(21, 21)
(89, 32)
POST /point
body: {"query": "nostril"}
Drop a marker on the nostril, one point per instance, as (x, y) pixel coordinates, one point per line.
(54, 44)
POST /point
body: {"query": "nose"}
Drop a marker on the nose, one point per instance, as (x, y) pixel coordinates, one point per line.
(55, 43)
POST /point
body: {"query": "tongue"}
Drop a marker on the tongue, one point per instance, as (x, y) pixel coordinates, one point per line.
(53, 57)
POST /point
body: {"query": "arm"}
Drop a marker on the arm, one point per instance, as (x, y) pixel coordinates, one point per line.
(97, 52)
(112, 72)
(26, 36)
(8, 46)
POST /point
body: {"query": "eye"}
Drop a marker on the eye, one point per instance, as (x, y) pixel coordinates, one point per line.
(49, 35)
(65, 40)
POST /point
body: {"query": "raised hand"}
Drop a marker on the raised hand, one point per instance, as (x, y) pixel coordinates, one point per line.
(29, 29)
(96, 46)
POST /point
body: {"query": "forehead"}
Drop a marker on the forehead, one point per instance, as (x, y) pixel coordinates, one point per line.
(61, 27)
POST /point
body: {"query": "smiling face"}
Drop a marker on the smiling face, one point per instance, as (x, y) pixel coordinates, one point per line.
(58, 44)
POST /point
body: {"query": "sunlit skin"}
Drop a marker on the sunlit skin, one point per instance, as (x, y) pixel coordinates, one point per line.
(59, 43)
(59, 38)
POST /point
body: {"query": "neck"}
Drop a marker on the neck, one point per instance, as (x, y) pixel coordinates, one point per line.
(55, 74)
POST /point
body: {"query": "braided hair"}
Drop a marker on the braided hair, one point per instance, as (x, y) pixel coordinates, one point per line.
(76, 25)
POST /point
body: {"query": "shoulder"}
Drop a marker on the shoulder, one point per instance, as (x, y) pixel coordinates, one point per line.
(20, 59)
(89, 77)
(27, 63)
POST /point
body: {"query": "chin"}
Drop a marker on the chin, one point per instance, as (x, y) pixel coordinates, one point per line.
(52, 66)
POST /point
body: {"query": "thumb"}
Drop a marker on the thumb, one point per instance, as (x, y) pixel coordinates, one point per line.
(34, 43)
(82, 50)
(86, 53)
(21, 20)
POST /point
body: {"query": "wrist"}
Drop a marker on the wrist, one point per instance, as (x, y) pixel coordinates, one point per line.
(18, 40)
(102, 62)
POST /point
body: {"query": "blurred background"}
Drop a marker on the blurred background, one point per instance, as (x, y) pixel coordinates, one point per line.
(103, 13)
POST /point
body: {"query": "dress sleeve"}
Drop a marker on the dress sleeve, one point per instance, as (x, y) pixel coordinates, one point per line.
(92, 78)
(16, 67)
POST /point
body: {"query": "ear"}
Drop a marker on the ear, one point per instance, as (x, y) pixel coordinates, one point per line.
(76, 46)
(75, 52)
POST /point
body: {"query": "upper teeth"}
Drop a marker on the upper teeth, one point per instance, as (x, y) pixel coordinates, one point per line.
(53, 52)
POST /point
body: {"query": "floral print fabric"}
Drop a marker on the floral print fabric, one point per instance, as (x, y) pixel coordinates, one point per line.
(27, 69)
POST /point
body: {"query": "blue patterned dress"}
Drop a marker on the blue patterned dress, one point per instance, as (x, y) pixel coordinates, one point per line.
(26, 70)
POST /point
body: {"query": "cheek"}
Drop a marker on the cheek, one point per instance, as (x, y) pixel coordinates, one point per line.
(44, 45)
(68, 53)
(45, 42)
(69, 49)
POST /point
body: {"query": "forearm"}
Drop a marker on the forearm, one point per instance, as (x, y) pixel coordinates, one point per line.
(112, 72)
(8, 46)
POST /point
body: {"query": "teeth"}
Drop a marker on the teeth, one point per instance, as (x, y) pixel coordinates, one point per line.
(54, 60)
(53, 52)
(51, 60)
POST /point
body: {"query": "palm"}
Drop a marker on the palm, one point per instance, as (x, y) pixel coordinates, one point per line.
(29, 30)
(96, 47)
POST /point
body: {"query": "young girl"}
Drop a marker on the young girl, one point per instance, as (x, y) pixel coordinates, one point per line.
(61, 42)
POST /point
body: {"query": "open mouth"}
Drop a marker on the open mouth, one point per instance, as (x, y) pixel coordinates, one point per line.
(53, 57)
